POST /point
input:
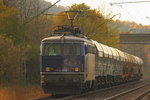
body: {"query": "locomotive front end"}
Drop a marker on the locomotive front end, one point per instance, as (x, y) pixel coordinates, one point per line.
(62, 66)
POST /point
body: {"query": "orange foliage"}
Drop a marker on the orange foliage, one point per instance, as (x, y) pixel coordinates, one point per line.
(20, 93)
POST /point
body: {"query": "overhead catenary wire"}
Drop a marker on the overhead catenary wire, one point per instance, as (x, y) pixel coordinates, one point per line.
(137, 10)
(132, 17)
(116, 3)
(96, 29)
(88, 16)
(120, 5)
(41, 12)
(127, 12)
(91, 16)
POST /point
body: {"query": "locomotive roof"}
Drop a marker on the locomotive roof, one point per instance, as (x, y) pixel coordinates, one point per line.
(68, 38)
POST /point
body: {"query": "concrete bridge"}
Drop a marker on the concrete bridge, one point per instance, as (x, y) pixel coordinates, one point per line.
(139, 45)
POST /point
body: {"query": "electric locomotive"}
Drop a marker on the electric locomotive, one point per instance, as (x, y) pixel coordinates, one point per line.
(63, 62)
(72, 63)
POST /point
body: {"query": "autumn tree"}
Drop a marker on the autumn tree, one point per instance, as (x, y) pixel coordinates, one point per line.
(10, 25)
(11, 61)
(25, 39)
(39, 28)
(36, 30)
(12, 42)
(130, 27)
(113, 35)
(92, 24)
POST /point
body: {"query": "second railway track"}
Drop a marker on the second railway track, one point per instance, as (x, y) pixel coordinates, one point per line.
(132, 94)
(142, 95)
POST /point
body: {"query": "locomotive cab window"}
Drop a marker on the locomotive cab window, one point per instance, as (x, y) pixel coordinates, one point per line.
(57, 49)
(64, 57)
(71, 49)
(52, 50)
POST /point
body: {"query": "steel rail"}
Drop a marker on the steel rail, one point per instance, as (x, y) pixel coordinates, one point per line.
(139, 97)
(116, 3)
(53, 97)
(42, 98)
(126, 92)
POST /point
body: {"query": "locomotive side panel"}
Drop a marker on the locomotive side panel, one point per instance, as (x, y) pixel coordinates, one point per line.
(90, 66)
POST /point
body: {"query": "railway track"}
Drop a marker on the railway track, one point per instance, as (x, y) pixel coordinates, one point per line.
(57, 97)
(42, 98)
(142, 95)
(85, 94)
(131, 94)
(107, 93)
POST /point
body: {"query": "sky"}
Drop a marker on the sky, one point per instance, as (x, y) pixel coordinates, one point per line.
(137, 12)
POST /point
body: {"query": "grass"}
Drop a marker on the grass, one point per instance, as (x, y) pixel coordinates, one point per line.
(20, 93)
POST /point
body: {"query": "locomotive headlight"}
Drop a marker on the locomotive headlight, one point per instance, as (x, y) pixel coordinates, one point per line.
(76, 69)
(48, 69)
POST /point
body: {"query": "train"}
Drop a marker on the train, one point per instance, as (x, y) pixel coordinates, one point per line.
(72, 64)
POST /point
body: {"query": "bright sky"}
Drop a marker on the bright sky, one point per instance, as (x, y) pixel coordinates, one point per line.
(137, 12)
